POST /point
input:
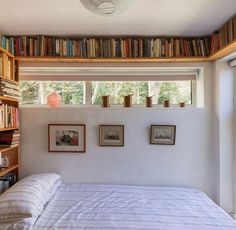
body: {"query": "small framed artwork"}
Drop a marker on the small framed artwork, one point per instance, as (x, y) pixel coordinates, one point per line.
(162, 134)
(111, 135)
(66, 138)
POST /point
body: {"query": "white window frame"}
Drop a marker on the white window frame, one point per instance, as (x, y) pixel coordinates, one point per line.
(89, 74)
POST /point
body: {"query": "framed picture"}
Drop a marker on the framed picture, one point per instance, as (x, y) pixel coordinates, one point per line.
(162, 134)
(66, 138)
(111, 135)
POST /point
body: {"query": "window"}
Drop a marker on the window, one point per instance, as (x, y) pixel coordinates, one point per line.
(74, 93)
(175, 91)
(35, 92)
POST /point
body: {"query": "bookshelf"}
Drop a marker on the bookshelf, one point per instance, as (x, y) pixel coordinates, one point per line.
(119, 49)
(9, 110)
(224, 51)
(109, 60)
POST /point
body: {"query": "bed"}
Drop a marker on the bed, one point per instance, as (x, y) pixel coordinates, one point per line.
(109, 207)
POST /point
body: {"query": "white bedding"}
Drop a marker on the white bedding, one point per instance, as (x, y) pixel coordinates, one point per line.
(108, 207)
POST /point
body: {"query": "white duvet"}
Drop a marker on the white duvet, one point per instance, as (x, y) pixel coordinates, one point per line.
(108, 207)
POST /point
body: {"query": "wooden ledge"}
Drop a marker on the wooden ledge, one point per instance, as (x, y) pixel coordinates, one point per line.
(228, 49)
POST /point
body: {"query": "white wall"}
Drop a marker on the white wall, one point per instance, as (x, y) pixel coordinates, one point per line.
(136, 163)
(188, 163)
(223, 134)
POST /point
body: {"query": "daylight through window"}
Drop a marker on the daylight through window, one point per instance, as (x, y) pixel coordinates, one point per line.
(74, 92)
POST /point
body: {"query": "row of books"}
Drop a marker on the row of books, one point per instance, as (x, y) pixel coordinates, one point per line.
(7, 181)
(225, 35)
(10, 138)
(9, 88)
(106, 48)
(5, 66)
(9, 116)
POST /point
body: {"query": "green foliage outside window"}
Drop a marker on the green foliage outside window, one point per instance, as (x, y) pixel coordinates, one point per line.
(72, 92)
(35, 92)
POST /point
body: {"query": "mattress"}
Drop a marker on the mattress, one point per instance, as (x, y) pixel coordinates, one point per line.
(109, 207)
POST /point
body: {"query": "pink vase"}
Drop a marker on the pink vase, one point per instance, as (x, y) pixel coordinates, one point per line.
(54, 100)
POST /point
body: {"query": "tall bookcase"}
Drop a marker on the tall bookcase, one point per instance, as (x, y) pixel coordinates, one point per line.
(9, 110)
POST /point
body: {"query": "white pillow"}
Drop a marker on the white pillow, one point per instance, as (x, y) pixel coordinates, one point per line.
(28, 197)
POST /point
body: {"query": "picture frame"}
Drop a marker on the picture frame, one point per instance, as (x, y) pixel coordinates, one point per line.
(67, 138)
(162, 134)
(111, 135)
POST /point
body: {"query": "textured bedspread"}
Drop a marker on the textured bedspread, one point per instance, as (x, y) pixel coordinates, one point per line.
(108, 207)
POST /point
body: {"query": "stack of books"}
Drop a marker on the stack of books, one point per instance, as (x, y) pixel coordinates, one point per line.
(9, 116)
(9, 88)
(10, 138)
(7, 181)
(46, 46)
(5, 66)
(224, 36)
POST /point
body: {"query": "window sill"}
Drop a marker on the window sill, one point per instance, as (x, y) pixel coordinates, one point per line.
(113, 107)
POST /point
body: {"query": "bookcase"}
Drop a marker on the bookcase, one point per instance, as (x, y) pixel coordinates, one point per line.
(9, 112)
(118, 49)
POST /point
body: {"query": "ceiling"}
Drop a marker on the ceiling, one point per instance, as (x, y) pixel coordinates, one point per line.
(144, 17)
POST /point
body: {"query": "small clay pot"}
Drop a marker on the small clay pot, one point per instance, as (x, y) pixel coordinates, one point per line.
(149, 101)
(166, 103)
(105, 102)
(128, 101)
(182, 104)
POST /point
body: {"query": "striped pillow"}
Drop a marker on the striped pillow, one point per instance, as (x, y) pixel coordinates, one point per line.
(28, 197)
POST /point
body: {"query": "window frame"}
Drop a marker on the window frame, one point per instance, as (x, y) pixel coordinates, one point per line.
(113, 72)
(87, 98)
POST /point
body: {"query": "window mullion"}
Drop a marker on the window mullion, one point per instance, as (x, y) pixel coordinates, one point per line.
(88, 93)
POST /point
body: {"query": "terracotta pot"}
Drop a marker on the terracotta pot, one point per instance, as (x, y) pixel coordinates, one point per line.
(105, 102)
(149, 101)
(166, 103)
(128, 101)
(182, 104)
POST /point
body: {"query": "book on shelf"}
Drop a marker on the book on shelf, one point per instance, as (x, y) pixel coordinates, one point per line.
(9, 88)
(6, 66)
(9, 138)
(13, 144)
(9, 116)
(34, 46)
(7, 181)
(224, 36)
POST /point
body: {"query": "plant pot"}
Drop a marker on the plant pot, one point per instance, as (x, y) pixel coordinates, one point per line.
(182, 104)
(166, 103)
(149, 101)
(128, 101)
(105, 102)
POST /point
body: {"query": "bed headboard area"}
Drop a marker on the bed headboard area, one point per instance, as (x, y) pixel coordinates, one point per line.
(190, 162)
(186, 163)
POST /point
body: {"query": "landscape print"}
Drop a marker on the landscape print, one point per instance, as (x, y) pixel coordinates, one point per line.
(162, 134)
(67, 138)
(111, 135)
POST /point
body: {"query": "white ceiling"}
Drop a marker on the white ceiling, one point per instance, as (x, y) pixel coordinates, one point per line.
(144, 17)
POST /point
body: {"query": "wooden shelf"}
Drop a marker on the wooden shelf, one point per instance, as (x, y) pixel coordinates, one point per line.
(3, 98)
(4, 171)
(11, 152)
(109, 60)
(228, 49)
(5, 149)
(6, 52)
(9, 80)
(8, 129)
(219, 54)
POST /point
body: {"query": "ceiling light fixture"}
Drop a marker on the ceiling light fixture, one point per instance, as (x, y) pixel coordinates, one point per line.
(106, 7)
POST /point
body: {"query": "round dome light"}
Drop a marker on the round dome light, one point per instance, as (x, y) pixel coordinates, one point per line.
(106, 7)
